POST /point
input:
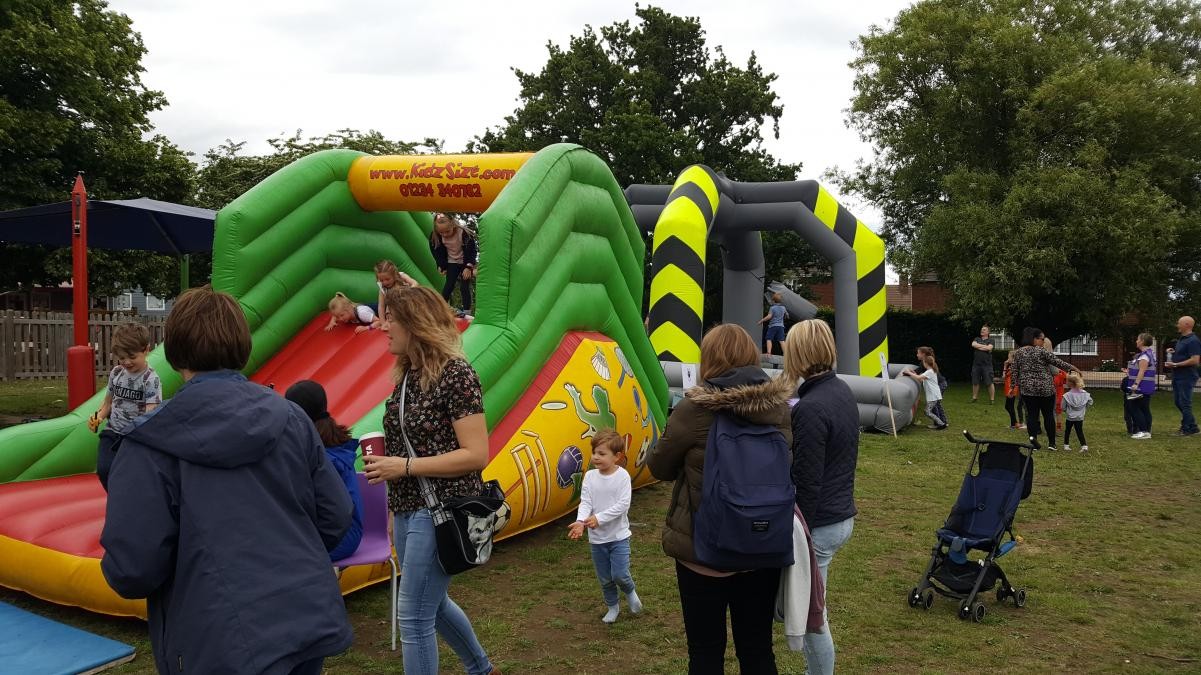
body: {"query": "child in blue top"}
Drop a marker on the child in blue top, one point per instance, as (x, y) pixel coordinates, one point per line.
(775, 323)
(340, 449)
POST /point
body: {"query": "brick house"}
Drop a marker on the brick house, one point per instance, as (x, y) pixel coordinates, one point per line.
(929, 295)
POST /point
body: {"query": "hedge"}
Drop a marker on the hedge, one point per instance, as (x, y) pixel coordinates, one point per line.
(950, 339)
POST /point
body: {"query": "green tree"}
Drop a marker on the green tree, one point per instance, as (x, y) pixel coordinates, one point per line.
(226, 172)
(651, 98)
(72, 99)
(1043, 159)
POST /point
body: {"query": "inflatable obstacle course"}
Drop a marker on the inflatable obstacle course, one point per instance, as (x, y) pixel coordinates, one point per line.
(557, 338)
(705, 206)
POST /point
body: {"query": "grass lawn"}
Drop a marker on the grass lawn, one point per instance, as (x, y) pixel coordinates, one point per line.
(1109, 562)
(22, 399)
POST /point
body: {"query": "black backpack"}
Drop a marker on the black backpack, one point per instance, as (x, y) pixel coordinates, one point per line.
(744, 520)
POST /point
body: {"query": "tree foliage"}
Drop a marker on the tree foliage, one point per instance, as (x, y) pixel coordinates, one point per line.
(226, 172)
(1044, 159)
(72, 99)
(651, 98)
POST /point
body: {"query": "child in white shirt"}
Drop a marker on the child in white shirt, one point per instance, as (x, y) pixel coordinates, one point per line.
(604, 503)
(929, 381)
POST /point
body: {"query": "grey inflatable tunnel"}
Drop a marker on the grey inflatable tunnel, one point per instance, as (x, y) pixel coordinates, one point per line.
(869, 392)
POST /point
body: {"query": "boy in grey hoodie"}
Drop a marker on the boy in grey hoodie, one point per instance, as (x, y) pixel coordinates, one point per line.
(1075, 403)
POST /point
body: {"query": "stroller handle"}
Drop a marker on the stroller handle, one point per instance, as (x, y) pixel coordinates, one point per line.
(972, 439)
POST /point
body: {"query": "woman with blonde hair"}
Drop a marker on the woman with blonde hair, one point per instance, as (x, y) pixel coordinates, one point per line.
(732, 383)
(444, 420)
(825, 451)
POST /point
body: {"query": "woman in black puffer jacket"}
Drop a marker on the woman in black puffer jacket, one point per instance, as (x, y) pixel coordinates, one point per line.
(825, 451)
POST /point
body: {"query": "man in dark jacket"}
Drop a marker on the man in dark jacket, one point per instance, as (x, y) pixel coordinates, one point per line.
(222, 506)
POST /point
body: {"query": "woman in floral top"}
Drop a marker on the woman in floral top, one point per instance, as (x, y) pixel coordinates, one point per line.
(444, 419)
(1032, 370)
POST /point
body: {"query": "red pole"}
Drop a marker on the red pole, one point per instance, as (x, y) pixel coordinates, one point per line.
(79, 259)
(81, 364)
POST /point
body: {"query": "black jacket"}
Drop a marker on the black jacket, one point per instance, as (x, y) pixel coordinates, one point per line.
(222, 508)
(825, 450)
(470, 249)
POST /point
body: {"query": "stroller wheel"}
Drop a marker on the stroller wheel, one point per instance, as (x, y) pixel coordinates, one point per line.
(1019, 597)
(1002, 593)
(914, 597)
(927, 598)
(965, 611)
(978, 612)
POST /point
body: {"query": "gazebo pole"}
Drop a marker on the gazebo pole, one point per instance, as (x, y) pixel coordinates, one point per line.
(81, 362)
(185, 264)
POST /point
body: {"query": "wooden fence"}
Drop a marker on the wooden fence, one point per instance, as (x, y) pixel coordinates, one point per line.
(34, 345)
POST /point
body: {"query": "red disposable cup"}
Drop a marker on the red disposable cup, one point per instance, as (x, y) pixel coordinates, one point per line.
(372, 444)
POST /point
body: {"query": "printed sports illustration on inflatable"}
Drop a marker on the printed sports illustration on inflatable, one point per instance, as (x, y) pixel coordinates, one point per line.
(557, 339)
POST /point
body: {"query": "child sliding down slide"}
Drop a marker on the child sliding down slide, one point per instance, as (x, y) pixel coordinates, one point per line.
(343, 310)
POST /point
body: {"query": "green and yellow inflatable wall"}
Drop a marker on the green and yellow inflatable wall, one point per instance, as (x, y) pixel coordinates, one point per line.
(557, 339)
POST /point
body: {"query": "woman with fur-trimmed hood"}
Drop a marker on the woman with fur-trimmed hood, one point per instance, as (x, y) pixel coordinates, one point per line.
(733, 382)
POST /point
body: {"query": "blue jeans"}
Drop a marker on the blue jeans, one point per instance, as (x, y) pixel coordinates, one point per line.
(612, 562)
(423, 605)
(1182, 393)
(819, 647)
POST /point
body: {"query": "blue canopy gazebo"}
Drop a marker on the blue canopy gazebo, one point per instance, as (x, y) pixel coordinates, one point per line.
(117, 224)
(120, 224)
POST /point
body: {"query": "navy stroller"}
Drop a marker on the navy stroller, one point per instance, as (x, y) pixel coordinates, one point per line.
(982, 516)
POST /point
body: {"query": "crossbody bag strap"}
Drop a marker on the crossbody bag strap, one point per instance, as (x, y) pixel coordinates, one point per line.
(423, 484)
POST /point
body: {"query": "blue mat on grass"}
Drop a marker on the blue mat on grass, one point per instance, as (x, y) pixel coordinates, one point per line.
(34, 645)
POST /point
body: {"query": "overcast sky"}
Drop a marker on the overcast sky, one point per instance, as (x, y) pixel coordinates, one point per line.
(249, 70)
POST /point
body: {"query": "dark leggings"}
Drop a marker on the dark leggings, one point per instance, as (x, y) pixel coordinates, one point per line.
(454, 273)
(1140, 413)
(1046, 406)
(1078, 425)
(750, 598)
(1017, 413)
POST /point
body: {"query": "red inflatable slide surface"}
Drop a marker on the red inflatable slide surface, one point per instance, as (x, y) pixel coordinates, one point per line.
(355, 369)
(50, 529)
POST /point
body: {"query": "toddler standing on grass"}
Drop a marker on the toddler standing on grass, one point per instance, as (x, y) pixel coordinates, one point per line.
(1075, 405)
(604, 503)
